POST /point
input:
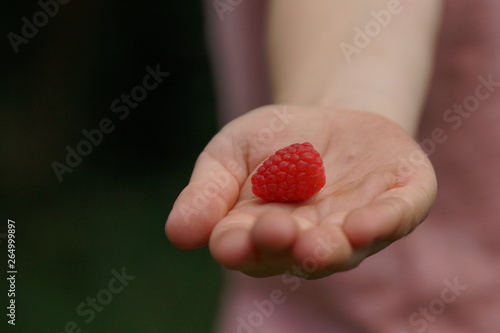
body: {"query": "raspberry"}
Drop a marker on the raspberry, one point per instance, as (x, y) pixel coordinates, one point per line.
(294, 173)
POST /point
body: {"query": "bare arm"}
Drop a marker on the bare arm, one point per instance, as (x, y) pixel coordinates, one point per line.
(318, 56)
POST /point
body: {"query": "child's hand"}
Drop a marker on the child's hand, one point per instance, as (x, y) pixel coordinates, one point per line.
(379, 187)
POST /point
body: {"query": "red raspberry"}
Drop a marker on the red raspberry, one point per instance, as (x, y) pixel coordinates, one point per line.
(294, 173)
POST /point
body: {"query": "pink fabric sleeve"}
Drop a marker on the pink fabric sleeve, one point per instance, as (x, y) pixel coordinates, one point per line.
(238, 55)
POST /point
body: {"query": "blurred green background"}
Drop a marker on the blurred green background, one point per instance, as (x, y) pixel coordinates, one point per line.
(109, 213)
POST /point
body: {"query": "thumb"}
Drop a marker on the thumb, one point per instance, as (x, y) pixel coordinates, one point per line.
(211, 193)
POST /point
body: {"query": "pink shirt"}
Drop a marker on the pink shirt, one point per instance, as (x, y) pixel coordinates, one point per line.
(445, 276)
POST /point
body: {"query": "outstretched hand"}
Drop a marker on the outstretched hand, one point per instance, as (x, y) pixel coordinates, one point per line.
(379, 187)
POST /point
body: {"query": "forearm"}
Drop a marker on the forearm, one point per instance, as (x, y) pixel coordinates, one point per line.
(315, 59)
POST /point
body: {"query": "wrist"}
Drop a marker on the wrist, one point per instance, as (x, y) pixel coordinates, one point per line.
(401, 107)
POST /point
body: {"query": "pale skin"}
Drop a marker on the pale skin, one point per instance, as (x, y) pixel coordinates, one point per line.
(360, 116)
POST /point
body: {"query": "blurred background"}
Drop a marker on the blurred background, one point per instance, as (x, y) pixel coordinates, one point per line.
(108, 213)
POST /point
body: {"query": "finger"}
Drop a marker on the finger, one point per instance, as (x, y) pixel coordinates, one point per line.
(231, 243)
(322, 250)
(392, 215)
(274, 231)
(212, 191)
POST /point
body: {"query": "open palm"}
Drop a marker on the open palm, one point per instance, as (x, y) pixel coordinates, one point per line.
(379, 187)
